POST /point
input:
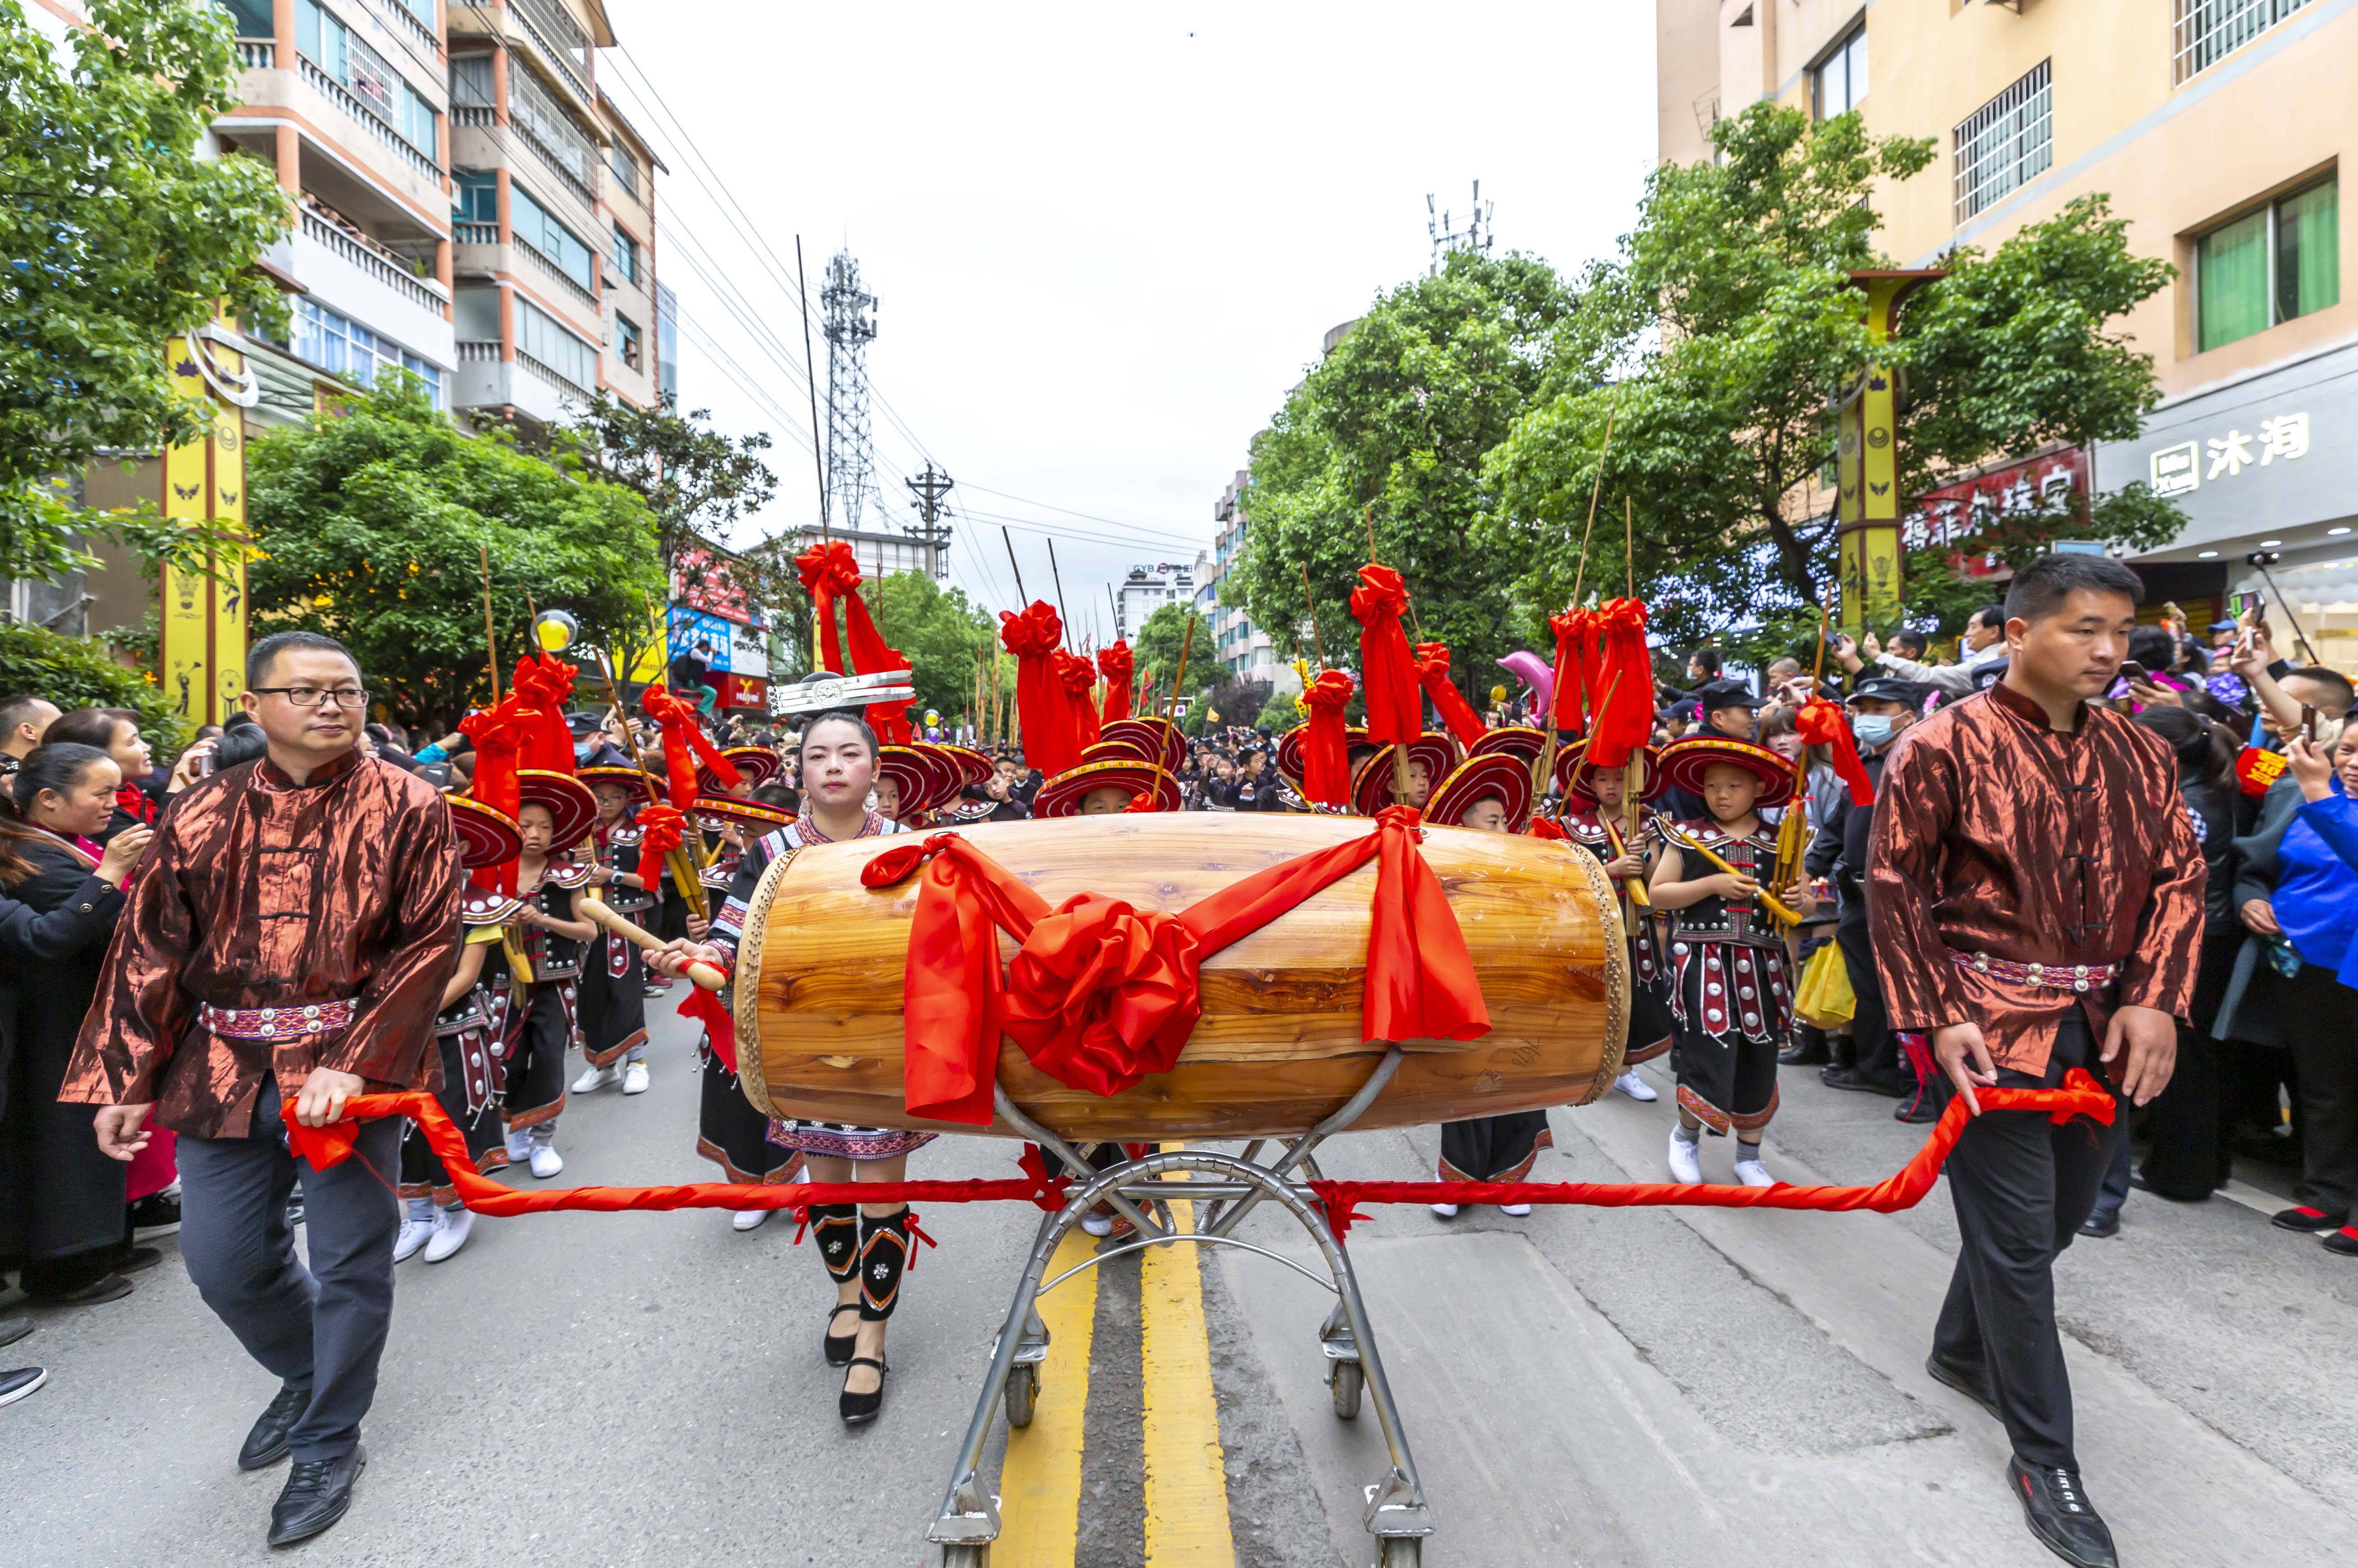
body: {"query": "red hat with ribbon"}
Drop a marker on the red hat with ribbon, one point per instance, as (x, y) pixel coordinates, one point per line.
(1062, 795)
(1371, 781)
(1683, 762)
(486, 836)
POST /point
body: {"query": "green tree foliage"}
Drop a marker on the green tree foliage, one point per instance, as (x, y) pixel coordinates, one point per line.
(1395, 424)
(118, 235)
(371, 525)
(77, 672)
(1717, 343)
(1157, 647)
(942, 633)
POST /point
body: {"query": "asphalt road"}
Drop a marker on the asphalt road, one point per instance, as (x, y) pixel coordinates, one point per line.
(1581, 1386)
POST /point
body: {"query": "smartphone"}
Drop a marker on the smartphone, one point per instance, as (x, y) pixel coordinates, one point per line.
(204, 764)
(2309, 723)
(2131, 671)
(2241, 604)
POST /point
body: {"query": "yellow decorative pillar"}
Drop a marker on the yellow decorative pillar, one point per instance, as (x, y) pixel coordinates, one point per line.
(1867, 463)
(200, 645)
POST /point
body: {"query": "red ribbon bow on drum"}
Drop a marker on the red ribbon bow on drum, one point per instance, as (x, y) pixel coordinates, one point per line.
(1079, 677)
(1100, 993)
(1325, 748)
(1822, 723)
(1433, 674)
(665, 829)
(1116, 663)
(1042, 712)
(684, 744)
(1395, 711)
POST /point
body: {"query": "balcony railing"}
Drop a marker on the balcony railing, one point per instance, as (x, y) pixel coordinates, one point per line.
(562, 383)
(257, 54)
(479, 351)
(475, 233)
(419, 33)
(345, 99)
(561, 276)
(381, 265)
(548, 26)
(473, 115)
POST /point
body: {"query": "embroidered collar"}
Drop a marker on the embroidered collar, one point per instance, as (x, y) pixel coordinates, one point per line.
(272, 776)
(870, 825)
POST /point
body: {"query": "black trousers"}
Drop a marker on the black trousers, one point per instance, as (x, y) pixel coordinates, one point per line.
(2189, 1120)
(1493, 1148)
(321, 1327)
(1876, 1046)
(2322, 1022)
(2021, 1185)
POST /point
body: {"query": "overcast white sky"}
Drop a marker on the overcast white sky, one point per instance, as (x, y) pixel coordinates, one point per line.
(1105, 239)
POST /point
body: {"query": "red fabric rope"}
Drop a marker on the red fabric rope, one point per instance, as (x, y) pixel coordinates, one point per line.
(1117, 664)
(1100, 994)
(1325, 748)
(1433, 674)
(1387, 668)
(325, 1147)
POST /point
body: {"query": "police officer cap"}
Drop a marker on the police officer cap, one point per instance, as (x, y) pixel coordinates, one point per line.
(1889, 688)
(1712, 696)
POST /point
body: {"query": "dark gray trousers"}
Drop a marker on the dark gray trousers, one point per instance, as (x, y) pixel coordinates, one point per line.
(320, 1328)
(2021, 1185)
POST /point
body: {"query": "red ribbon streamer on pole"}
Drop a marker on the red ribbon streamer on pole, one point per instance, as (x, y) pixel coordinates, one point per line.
(684, 744)
(1387, 669)
(1822, 723)
(1117, 665)
(1326, 749)
(1079, 677)
(1433, 674)
(1575, 639)
(1100, 994)
(1625, 673)
(541, 689)
(1042, 711)
(498, 733)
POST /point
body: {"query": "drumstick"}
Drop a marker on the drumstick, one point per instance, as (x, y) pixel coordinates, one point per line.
(1681, 841)
(1634, 886)
(703, 974)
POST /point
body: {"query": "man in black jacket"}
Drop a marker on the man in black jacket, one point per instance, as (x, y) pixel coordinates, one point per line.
(1881, 708)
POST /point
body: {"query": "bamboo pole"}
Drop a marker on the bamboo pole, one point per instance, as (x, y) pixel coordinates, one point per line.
(1769, 899)
(1580, 575)
(1310, 603)
(491, 639)
(603, 913)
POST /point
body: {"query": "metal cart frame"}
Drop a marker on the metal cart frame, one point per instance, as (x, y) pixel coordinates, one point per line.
(1396, 1512)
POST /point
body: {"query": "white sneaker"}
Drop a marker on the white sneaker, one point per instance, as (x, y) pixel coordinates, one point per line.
(414, 1232)
(1444, 1211)
(750, 1218)
(1515, 1210)
(1098, 1223)
(1636, 1088)
(1753, 1174)
(546, 1161)
(634, 1078)
(452, 1226)
(1684, 1166)
(594, 1080)
(519, 1145)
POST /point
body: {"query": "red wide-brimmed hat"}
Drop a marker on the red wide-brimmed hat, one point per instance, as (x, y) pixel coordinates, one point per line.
(574, 810)
(926, 775)
(1572, 775)
(1289, 749)
(1371, 783)
(486, 835)
(1683, 763)
(974, 767)
(1479, 778)
(630, 779)
(1062, 795)
(1515, 741)
(754, 764)
(737, 808)
(1143, 739)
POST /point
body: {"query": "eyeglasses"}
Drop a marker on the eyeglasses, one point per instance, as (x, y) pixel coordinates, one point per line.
(312, 695)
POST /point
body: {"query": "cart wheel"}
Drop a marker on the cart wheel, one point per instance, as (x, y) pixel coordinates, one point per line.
(1022, 1393)
(1399, 1551)
(980, 1557)
(1345, 1380)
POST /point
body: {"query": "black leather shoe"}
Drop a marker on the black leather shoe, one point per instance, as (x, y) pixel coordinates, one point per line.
(316, 1493)
(2344, 1241)
(837, 1347)
(2100, 1223)
(1854, 1079)
(13, 1329)
(267, 1443)
(2061, 1516)
(1973, 1385)
(1807, 1050)
(858, 1409)
(2313, 1220)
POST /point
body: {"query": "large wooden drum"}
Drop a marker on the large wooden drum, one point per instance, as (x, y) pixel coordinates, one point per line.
(1278, 1048)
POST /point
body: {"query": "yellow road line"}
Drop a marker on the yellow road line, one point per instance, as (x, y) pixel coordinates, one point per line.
(1040, 1483)
(1186, 1486)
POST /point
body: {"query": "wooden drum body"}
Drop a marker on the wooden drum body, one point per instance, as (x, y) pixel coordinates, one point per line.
(820, 973)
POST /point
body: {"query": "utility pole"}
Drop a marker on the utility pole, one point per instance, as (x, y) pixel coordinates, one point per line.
(849, 324)
(1474, 236)
(930, 488)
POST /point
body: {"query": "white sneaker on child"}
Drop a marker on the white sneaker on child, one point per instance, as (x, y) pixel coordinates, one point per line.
(1636, 1088)
(414, 1232)
(593, 1081)
(1684, 1166)
(634, 1078)
(750, 1218)
(452, 1226)
(1515, 1210)
(1753, 1174)
(546, 1161)
(519, 1145)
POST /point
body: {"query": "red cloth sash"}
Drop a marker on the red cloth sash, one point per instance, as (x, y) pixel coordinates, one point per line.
(1387, 669)
(828, 571)
(1117, 665)
(1042, 710)
(1078, 677)
(1101, 994)
(684, 744)
(1624, 681)
(498, 734)
(1325, 749)
(1433, 674)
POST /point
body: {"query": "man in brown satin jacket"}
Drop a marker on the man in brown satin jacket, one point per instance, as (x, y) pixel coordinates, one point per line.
(289, 933)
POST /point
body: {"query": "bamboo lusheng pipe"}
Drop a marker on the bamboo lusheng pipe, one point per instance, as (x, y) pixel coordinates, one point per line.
(603, 913)
(1769, 900)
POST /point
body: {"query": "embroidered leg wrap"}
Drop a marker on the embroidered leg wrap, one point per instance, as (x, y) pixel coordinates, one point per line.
(884, 1253)
(835, 1227)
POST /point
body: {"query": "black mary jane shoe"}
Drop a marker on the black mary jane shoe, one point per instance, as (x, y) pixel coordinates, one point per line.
(2057, 1510)
(838, 1350)
(316, 1494)
(857, 1410)
(267, 1443)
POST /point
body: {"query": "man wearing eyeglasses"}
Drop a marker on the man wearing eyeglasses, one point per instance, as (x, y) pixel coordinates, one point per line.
(290, 931)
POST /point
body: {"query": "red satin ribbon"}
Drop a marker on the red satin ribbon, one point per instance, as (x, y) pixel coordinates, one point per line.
(542, 688)
(1042, 710)
(1822, 723)
(1078, 677)
(1433, 674)
(667, 829)
(828, 570)
(1326, 747)
(1574, 638)
(1624, 680)
(1116, 663)
(684, 744)
(1387, 669)
(1541, 828)
(497, 734)
(324, 1148)
(1101, 994)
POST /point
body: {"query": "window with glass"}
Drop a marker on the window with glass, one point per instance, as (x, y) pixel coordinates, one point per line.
(536, 226)
(2273, 263)
(343, 347)
(541, 335)
(1839, 82)
(475, 196)
(534, 112)
(626, 255)
(2204, 32)
(471, 81)
(625, 165)
(384, 92)
(626, 342)
(252, 18)
(2006, 144)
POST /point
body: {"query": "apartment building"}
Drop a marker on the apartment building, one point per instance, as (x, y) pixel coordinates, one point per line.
(1145, 590)
(2216, 127)
(1243, 649)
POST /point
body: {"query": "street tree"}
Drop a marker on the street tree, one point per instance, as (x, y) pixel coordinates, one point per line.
(118, 235)
(1157, 647)
(372, 525)
(942, 632)
(1718, 342)
(1390, 430)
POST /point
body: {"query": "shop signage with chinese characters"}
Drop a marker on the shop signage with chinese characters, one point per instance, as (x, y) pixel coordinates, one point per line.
(1954, 514)
(2187, 466)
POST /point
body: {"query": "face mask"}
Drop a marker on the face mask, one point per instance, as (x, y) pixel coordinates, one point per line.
(1873, 729)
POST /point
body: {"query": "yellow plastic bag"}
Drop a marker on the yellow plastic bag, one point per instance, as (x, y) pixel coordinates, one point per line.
(1824, 997)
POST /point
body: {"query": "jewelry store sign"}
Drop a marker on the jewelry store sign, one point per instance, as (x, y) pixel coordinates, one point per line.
(2187, 467)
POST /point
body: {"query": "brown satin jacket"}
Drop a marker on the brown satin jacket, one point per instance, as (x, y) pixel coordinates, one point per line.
(261, 892)
(1994, 833)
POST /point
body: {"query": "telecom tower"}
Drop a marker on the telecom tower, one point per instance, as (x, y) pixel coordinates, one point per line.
(1474, 236)
(849, 314)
